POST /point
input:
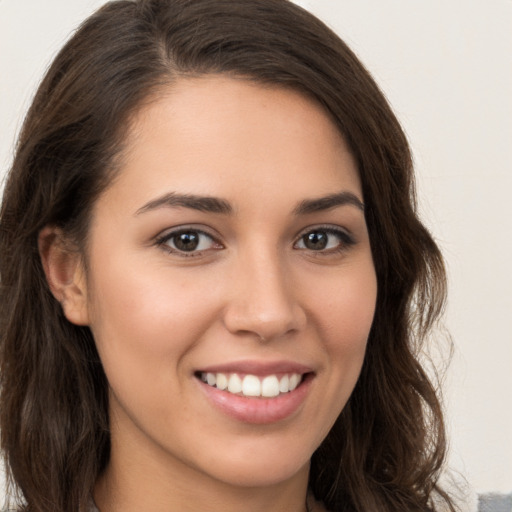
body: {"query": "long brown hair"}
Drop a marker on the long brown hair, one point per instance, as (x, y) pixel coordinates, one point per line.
(387, 448)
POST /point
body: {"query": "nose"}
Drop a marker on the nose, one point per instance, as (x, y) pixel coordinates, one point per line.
(263, 300)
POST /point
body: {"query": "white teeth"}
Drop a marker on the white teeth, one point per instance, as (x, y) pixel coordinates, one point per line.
(251, 386)
(234, 384)
(269, 386)
(294, 381)
(222, 381)
(284, 384)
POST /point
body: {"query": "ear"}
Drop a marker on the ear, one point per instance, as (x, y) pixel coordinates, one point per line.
(65, 274)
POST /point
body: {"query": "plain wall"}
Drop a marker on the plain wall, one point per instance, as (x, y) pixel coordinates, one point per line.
(445, 66)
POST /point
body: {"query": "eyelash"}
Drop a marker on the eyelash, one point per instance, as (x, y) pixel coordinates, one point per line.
(345, 241)
(163, 242)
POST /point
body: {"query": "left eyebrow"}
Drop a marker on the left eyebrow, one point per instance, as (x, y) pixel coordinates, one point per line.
(328, 202)
(194, 202)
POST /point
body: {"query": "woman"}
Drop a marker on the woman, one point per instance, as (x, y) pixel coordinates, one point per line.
(214, 282)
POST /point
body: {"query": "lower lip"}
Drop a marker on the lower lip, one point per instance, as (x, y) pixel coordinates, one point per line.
(259, 410)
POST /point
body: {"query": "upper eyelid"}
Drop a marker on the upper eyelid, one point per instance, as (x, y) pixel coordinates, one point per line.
(333, 228)
(170, 232)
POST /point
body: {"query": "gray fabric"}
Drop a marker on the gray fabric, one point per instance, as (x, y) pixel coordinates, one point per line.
(495, 503)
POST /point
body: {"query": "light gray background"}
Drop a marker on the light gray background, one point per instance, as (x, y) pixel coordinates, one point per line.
(445, 66)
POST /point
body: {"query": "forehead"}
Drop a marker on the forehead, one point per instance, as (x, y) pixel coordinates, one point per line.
(217, 135)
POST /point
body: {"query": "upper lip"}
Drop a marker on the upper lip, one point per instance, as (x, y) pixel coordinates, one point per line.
(258, 368)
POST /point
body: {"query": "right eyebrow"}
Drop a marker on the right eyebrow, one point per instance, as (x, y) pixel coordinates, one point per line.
(327, 202)
(201, 203)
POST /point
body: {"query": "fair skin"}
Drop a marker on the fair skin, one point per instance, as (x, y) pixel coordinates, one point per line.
(272, 278)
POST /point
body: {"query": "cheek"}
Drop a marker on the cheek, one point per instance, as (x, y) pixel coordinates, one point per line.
(348, 307)
(347, 316)
(343, 318)
(145, 319)
(145, 324)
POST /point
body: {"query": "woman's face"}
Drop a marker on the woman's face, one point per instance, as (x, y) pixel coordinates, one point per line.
(232, 248)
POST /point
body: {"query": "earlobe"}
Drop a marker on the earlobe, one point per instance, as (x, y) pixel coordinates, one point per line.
(65, 274)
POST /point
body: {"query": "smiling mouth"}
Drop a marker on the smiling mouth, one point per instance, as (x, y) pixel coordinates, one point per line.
(269, 386)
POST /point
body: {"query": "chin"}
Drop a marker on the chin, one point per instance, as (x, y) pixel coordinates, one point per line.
(257, 471)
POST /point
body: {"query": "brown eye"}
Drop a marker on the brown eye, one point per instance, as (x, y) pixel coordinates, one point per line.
(188, 241)
(315, 241)
(327, 240)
